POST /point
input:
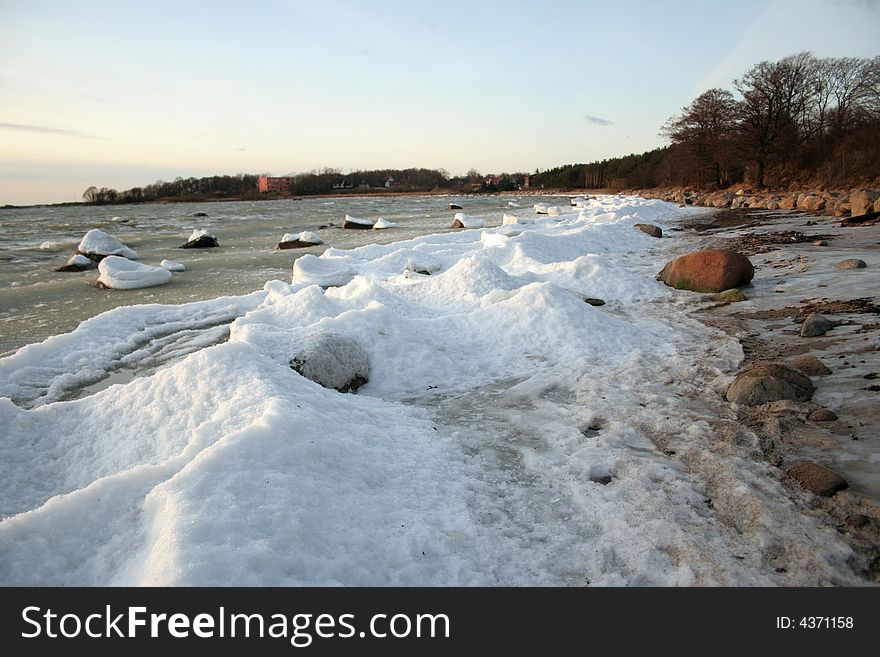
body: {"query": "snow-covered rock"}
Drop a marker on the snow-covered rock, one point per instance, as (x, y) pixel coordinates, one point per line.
(77, 262)
(540, 208)
(354, 222)
(333, 361)
(382, 224)
(170, 265)
(299, 241)
(200, 239)
(123, 274)
(463, 220)
(324, 271)
(97, 245)
(553, 211)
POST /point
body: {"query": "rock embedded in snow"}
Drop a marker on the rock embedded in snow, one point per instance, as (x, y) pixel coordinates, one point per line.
(463, 220)
(77, 262)
(170, 265)
(301, 241)
(553, 211)
(118, 273)
(541, 208)
(97, 245)
(381, 224)
(809, 365)
(650, 229)
(852, 263)
(816, 324)
(357, 224)
(200, 239)
(333, 361)
(817, 479)
(593, 301)
(454, 206)
(712, 270)
(199, 214)
(764, 382)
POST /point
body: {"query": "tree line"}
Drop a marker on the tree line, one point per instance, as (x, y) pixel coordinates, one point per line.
(799, 120)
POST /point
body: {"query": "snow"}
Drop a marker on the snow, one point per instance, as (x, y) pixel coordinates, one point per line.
(496, 399)
(508, 219)
(123, 274)
(305, 236)
(170, 265)
(383, 224)
(98, 242)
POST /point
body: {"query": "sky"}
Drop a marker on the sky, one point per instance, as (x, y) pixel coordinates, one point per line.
(123, 93)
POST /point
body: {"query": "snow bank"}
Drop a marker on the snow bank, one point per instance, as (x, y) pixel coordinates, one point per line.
(122, 274)
(507, 434)
(97, 242)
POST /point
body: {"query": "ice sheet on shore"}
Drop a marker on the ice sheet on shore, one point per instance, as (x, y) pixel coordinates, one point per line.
(504, 436)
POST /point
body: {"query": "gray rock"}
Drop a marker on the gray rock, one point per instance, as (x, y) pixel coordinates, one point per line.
(650, 229)
(816, 324)
(332, 361)
(729, 296)
(764, 382)
(852, 263)
(817, 479)
(809, 365)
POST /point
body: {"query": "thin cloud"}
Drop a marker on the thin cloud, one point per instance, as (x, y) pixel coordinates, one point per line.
(41, 129)
(595, 120)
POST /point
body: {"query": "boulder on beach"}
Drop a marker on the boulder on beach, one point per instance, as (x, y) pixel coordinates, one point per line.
(200, 239)
(650, 229)
(118, 273)
(852, 263)
(357, 224)
(77, 262)
(97, 245)
(861, 201)
(199, 214)
(382, 224)
(170, 265)
(454, 206)
(811, 202)
(817, 479)
(463, 220)
(713, 270)
(333, 361)
(809, 365)
(763, 382)
(303, 240)
(816, 324)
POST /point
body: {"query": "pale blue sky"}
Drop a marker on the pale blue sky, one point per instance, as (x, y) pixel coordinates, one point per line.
(120, 94)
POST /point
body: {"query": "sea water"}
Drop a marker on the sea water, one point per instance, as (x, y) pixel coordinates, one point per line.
(36, 302)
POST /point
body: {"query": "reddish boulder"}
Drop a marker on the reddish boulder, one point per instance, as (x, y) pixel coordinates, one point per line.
(714, 270)
(817, 479)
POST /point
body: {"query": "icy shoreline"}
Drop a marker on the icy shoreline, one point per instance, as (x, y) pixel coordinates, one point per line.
(510, 433)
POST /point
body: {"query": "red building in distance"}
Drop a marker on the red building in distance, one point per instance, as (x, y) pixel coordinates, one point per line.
(269, 184)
